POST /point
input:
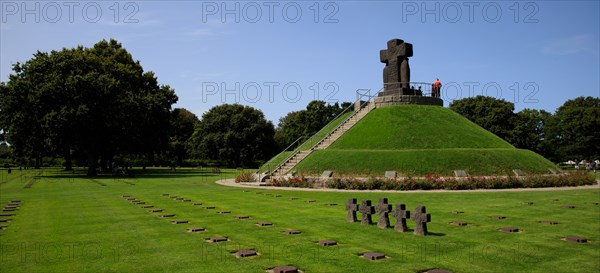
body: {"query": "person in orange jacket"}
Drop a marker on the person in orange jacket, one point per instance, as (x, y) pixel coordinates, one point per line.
(437, 86)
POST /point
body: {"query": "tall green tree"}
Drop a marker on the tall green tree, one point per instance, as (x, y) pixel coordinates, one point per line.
(530, 131)
(183, 123)
(235, 135)
(97, 101)
(574, 130)
(493, 114)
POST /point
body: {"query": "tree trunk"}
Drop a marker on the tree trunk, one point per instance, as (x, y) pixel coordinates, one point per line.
(38, 162)
(68, 161)
(92, 163)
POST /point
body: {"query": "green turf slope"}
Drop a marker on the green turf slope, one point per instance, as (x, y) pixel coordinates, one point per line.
(419, 139)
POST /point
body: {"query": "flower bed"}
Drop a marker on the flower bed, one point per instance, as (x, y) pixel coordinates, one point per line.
(431, 182)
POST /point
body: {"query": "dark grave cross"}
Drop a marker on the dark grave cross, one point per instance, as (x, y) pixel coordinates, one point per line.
(351, 207)
(401, 215)
(421, 218)
(383, 209)
(396, 68)
(366, 210)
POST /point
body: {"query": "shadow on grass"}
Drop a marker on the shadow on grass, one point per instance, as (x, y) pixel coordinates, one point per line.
(138, 173)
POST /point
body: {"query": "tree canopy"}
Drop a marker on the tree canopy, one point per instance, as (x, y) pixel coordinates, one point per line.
(234, 135)
(96, 101)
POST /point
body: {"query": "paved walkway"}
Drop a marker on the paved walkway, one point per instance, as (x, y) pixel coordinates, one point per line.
(231, 183)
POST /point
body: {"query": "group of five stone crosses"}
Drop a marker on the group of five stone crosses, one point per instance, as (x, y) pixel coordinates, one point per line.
(383, 209)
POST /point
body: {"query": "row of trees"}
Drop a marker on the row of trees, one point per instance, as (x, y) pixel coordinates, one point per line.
(571, 133)
(97, 106)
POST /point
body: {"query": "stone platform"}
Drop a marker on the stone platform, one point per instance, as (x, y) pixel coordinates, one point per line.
(390, 100)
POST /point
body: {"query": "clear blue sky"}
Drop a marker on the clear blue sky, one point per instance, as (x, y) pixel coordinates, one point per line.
(278, 56)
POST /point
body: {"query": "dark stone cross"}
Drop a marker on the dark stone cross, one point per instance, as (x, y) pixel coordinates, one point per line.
(367, 210)
(421, 218)
(351, 207)
(383, 209)
(401, 215)
(396, 73)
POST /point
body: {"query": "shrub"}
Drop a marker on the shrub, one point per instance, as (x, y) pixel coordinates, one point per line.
(244, 177)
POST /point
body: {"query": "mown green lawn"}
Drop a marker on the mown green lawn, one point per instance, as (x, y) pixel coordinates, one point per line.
(69, 223)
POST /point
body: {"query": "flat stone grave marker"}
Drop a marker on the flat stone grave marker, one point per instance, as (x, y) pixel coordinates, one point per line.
(223, 212)
(241, 217)
(460, 224)
(147, 206)
(292, 198)
(187, 200)
(327, 174)
(208, 207)
(421, 218)
(173, 196)
(3, 227)
(167, 215)
(127, 195)
(576, 239)
(164, 194)
(4, 220)
(258, 192)
(592, 203)
(217, 239)
(327, 242)
(373, 256)
(268, 194)
(529, 203)
(179, 198)
(140, 203)
(292, 232)
(197, 204)
(195, 229)
(156, 210)
(548, 222)
(498, 217)
(131, 198)
(460, 173)
(383, 209)
(278, 195)
(390, 174)
(11, 206)
(285, 269)
(7, 214)
(245, 253)
(401, 214)
(177, 222)
(509, 229)
(330, 204)
(352, 208)
(568, 207)
(264, 224)
(16, 201)
(366, 211)
(245, 191)
(311, 201)
(518, 172)
(5, 209)
(458, 212)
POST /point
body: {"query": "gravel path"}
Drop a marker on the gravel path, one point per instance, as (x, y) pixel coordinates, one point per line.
(231, 183)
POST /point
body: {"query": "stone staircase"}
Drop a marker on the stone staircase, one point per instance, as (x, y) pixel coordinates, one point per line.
(330, 138)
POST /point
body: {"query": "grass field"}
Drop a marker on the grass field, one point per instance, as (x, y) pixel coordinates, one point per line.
(417, 140)
(69, 223)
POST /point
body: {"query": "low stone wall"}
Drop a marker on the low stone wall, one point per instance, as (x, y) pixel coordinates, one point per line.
(407, 99)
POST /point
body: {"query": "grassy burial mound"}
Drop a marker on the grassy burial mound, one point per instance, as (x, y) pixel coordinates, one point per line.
(417, 140)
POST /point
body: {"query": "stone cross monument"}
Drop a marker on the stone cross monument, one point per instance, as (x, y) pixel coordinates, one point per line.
(396, 73)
